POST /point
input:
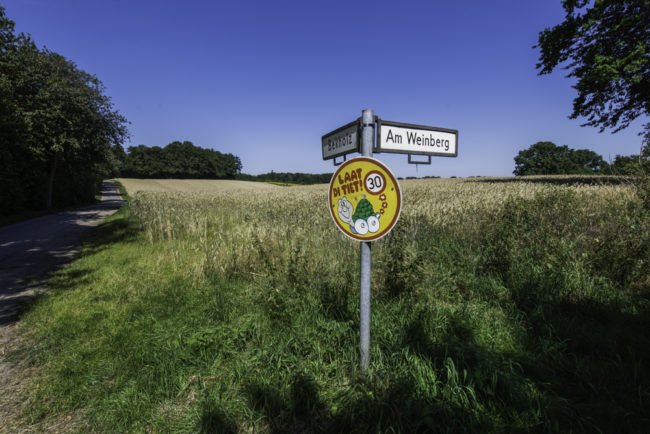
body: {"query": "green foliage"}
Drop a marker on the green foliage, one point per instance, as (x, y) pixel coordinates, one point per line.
(625, 165)
(643, 184)
(56, 127)
(179, 161)
(606, 46)
(545, 158)
(402, 271)
(637, 166)
(539, 247)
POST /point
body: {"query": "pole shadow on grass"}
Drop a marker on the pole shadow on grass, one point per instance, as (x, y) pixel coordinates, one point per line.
(594, 357)
(582, 367)
(298, 410)
(365, 407)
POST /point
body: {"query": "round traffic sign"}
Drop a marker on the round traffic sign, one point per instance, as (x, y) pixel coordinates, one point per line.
(364, 199)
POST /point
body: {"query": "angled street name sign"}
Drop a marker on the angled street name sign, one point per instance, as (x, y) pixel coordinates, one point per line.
(401, 138)
(341, 141)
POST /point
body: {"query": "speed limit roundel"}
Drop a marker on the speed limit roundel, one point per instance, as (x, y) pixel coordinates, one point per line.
(364, 199)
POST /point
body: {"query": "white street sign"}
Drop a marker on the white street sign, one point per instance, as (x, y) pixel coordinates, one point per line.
(341, 141)
(416, 139)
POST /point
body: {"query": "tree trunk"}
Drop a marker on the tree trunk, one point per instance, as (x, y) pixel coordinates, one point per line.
(50, 184)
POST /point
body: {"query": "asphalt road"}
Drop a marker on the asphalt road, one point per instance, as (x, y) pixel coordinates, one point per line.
(31, 249)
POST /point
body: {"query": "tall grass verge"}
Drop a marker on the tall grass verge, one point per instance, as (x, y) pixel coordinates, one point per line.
(497, 307)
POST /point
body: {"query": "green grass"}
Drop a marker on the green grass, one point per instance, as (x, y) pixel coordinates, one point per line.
(122, 190)
(533, 316)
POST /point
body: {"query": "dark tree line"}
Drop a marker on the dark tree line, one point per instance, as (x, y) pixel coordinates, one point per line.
(289, 178)
(546, 158)
(57, 127)
(177, 160)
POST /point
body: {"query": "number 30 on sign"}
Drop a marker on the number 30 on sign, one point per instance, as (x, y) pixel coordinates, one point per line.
(364, 199)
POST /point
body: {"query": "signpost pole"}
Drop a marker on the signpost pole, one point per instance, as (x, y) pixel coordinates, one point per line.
(367, 142)
(381, 185)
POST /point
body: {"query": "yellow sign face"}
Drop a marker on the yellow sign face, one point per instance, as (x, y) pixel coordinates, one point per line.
(364, 199)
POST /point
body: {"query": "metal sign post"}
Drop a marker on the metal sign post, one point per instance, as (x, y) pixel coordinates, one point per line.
(364, 195)
(367, 143)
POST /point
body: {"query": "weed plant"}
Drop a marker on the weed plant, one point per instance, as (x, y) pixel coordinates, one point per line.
(497, 307)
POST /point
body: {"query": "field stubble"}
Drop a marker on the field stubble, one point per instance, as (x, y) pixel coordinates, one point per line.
(258, 232)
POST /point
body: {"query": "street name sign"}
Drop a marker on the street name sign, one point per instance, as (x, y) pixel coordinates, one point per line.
(341, 141)
(364, 199)
(401, 138)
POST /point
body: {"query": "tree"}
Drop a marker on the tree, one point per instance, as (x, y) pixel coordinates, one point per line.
(57, 127)
(69, 121)
(625, 165)
(545, 158)
(69, 124)
(8, 39)
(607, 47)
(179, 160)
(587, 162)
(118, 158)
(11, 159)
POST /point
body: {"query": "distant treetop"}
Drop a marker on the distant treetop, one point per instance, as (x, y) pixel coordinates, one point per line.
(181, 160)
(545, 158)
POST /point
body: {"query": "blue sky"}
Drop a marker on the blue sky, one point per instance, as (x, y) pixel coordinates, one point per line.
(265, 80)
